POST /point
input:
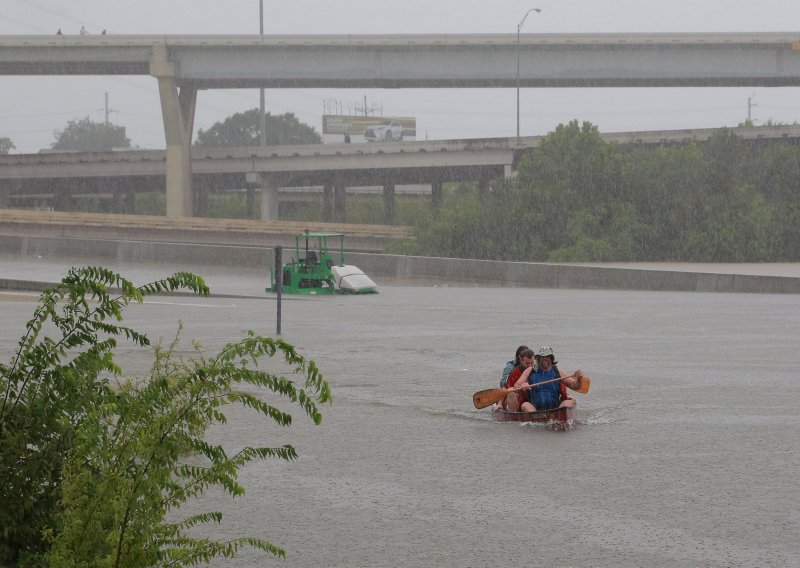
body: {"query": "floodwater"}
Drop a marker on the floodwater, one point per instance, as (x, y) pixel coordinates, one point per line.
(686, 452)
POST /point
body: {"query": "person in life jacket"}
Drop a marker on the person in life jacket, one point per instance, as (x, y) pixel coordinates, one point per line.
(551, 395)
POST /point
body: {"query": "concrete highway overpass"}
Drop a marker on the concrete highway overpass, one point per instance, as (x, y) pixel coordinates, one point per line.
(183, 65)
(289, 169)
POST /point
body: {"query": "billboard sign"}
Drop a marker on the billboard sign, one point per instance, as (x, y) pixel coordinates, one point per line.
(370, 127)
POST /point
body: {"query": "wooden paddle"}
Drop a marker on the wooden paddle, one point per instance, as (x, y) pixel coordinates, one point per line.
(487, 397)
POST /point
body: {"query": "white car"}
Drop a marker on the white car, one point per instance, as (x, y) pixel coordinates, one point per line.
(386, 130)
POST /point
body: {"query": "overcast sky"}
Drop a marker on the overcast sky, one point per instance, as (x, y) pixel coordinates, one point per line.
(32, 108)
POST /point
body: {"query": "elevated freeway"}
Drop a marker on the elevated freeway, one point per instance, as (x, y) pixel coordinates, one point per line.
(419, 61)
(366, 164)
(332, 167)
(183, 65)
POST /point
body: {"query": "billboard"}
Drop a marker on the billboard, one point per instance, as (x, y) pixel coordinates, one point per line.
(371, 127)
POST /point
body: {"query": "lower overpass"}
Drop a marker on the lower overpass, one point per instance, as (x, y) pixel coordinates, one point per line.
(332, 167)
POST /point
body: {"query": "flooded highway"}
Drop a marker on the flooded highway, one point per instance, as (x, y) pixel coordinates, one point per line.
(685, 452)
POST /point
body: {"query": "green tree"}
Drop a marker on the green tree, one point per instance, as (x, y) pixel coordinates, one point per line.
(6, 145)
(578, 198)
(474, 223)
(735, 228)
(573, 174)
(85, 135)
(668, 192)
(779, 182)
(243, 129)
(90, 467)
(727, 160)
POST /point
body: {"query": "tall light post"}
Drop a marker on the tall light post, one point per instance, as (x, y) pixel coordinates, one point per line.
(519, 27)
(262, 117)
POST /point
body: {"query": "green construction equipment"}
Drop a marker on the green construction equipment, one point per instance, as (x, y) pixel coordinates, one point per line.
(312, 270)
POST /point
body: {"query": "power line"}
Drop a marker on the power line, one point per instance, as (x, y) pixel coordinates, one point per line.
(39, 115)
(61, 15)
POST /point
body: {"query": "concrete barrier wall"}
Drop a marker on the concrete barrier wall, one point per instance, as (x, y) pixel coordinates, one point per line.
(412, 269)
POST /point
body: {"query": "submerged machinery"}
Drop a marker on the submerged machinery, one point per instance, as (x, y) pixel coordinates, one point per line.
(313, 270)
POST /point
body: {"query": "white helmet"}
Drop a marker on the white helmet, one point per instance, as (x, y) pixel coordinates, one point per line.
(545, 352)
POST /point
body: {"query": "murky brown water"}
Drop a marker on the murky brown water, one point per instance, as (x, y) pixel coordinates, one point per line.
(686, 453)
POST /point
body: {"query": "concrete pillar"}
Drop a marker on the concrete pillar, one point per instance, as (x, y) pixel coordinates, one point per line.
(388, 203)
(270, 203)
(200, 193)
(129, 201)
(62, 199)
(327, 203)
(270, 198)
(117, 198)
(339, 203)
(251, 202)
(437, 195)
(177, 110)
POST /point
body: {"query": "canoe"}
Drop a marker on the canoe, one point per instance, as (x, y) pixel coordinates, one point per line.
(557, 418)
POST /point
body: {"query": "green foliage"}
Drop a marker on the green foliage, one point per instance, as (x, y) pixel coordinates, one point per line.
(85, 135)
(229, 206)
(6, 145)
(475, 223)
(151, 203)
(737, 222)
(362, 209)
(90, 466)
(577, 198)
(243, 129)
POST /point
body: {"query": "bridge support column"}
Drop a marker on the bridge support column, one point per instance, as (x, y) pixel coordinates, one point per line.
(388, 203)
(62, 199)
(129, 201)
(327, 203)
(437, 196)
(123, 196)
(339, 203)
(177, 110)
(200, 193)
(270, 199)
(117, 197)
(251, 202)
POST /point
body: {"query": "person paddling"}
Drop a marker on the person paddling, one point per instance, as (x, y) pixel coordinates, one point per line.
(551, 395)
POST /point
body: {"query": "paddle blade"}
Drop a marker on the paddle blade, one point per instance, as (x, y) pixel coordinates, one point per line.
(487, 397)
(584, 388)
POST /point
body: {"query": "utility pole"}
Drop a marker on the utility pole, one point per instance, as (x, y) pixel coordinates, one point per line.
(106, 110)
(519, 28)
(262, 118)
(367, 110)
(750, 105)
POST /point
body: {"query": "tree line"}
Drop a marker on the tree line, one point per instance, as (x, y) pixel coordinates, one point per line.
(577, 198)
(239, 129)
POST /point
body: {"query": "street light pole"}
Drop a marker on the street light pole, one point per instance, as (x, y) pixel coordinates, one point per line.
(262, 117)
(519, 28)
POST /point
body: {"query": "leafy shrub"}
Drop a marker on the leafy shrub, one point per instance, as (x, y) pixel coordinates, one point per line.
(91, 467)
